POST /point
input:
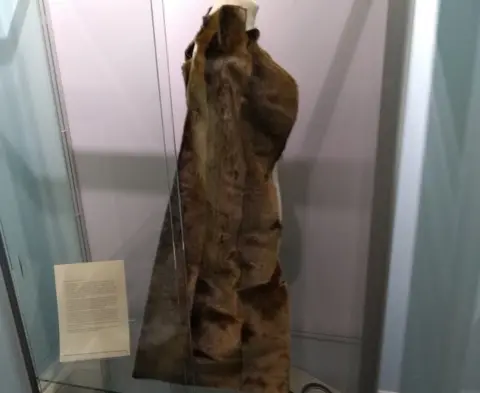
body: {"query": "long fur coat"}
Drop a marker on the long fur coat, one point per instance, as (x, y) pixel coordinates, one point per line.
(217, 314)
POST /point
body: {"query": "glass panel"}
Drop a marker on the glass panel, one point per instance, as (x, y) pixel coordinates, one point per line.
(441, 341)
(36, 210)
(12, 373)
(39, 222)
(442, 328)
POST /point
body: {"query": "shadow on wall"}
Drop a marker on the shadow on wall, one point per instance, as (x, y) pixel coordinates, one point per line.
(130, 175)
(325, 184)
(343, 186)
(319, 184)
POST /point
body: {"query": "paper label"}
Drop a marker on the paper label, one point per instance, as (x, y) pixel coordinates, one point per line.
(92, 311)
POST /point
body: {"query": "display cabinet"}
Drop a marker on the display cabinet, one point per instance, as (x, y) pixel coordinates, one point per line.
(237, 162)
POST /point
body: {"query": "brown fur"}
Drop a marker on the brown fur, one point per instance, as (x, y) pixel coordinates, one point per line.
(217, 313)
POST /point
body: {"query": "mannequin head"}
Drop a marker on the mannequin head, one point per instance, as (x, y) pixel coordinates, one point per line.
(250, 6)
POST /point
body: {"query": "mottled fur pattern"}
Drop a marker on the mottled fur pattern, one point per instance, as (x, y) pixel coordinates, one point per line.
(217, 313)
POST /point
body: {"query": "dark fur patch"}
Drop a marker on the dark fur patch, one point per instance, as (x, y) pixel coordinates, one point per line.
(197, 353)
(277, 225)
(203, 314)
(202, 288)
(267, 299)
(247, 333)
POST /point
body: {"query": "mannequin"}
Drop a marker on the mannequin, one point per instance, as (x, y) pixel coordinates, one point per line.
(249, 5)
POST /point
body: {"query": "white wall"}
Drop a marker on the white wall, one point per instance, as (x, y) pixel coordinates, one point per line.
(334, 50)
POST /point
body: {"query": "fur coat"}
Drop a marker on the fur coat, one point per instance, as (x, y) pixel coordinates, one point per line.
(217, 314)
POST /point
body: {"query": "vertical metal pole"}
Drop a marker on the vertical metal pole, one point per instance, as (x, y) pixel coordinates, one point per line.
(396, 49)
(60, 106)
